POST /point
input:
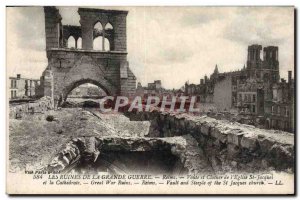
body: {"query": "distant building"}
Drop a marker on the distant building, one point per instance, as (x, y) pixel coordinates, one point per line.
(223, 93)
(205, 91)
(23, 87)
(254, 91)
(152, 89)
(139, 90)
(279, 110)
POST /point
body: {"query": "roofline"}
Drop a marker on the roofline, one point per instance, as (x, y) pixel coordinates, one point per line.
(11, 77)
(102, 10)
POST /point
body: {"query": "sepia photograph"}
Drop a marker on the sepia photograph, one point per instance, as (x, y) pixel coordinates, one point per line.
(155, 100)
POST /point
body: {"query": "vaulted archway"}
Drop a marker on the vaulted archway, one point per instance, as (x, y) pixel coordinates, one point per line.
(75, 84)
(84, 70)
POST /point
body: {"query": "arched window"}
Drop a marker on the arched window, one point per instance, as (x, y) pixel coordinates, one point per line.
(108, 26)
(101, 41)
(98, 26)
(79, 43)
(71, 42)
(97, 43)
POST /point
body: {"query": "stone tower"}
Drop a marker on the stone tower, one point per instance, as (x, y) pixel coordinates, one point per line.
(107, 68)
(271, 64)
(266, 70)
(53, 27)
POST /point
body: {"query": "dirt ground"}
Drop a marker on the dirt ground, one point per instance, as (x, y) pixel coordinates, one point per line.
(34, 140)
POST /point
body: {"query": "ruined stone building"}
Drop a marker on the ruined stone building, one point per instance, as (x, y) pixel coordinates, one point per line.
(23, 87)
(221, 82)
(97, 55)
(152, 89)
(255, 90)
(279, 109)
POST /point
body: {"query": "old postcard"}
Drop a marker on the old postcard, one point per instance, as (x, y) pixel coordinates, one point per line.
(150, 100)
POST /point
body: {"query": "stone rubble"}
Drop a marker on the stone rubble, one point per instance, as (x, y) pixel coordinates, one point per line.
(228, 145)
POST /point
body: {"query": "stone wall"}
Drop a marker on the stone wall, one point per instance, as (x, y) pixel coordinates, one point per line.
(223, 94)
(68, 31)
(229, 146)
(52, 27)
(128, 85)
(73, 67)
(39, 106)
(89, 17)
(70, 68)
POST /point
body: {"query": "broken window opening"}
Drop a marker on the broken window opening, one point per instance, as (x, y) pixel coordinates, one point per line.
(79, 43)
(71, 42)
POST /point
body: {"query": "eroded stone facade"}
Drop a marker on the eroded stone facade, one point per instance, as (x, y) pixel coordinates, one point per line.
(68, 68)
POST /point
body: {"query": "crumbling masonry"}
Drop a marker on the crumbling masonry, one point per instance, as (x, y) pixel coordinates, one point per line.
(70, 67)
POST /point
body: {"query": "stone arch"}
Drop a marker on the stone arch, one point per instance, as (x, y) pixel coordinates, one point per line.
(71, 42)
(109, 26)
(77, 83)
(102, 36)
(85, 70)
(98, 26)
(109, 36)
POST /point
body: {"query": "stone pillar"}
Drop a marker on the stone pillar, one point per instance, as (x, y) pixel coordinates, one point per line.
(103, 40)
(76, 40)
(128, 80)
(49, 85)
(120, 39)
(52, 27)
(87, 32)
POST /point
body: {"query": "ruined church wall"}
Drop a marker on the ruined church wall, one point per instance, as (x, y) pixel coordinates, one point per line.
(228, 146)
(89, 17)
(69, 67)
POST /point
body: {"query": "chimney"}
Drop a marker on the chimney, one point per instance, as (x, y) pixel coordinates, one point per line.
(201, 81)
(18, 76)
(290, 77)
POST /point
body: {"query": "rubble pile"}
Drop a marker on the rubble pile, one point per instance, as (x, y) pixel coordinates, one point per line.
(86, 150)
(229, 146)
(38, 106)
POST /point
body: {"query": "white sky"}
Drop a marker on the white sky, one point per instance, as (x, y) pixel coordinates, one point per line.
(173, 44)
